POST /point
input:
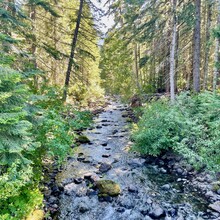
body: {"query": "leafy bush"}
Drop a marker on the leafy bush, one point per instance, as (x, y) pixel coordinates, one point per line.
(191, 127)
(17, 146)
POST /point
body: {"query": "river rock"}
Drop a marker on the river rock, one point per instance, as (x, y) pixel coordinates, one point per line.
(83, 139)
(105, 167)
(108, 187)
(115, 131)
(83, 207)
(106, 155)
(156, 212)
(215, 206)
(132, 189)
(147, 218)
(144, 209)
(53, 200)
(104, 144)
(127, 202)
(166, 187)
(137, 162)
(78, 180)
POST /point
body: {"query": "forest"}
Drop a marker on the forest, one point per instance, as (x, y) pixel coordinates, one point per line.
(59, 70)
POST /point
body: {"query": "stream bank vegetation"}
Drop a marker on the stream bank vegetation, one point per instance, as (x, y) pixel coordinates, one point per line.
(189, 128)
(50, 68)
(38, 120)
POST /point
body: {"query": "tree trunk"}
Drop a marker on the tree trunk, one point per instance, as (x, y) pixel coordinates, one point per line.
(197, 52)
(172, 54)
(216, 58)
(73, 48)
(34, 44)
(136, 69)
(207, 46)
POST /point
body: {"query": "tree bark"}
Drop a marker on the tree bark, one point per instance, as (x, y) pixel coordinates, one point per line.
(207, 46)
(172, 54)
(216, 58)
(197, 49)
(136, 69)
(72, 53)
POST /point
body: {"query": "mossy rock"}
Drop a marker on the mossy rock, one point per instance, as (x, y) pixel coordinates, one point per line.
(36, 215)
(83, 139)
(108, 187)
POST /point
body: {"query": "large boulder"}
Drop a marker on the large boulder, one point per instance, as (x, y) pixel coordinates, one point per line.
(108, 187)
(215, 206)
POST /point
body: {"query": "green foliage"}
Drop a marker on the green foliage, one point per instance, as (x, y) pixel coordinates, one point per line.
(17, 147)
(16, 207)
(15, 137)
(190, 127)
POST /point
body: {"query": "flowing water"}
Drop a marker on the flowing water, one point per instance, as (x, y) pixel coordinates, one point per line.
(143, 194)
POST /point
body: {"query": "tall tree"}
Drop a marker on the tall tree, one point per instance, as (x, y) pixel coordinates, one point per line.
(172, 53)
(73, 48)
(197, 45)
(207, 44)
(217, 46)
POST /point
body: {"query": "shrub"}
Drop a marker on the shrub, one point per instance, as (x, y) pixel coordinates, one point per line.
(190, 127)
(17, 146)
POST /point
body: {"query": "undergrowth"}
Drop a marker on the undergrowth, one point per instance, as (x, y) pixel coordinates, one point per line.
(190, 127)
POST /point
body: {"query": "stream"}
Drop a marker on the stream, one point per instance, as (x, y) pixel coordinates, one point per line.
(147, 192)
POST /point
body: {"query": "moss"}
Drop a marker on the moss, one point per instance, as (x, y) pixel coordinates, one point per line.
(108, 187)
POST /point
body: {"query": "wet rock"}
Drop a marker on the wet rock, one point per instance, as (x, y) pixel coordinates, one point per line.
(115, 131)
(137, 162)
(179, 171)
(55, 190)
(78, 180)
(83, 207)
(104, 167)
(144, 209)
(147, 218)
(83, 139)
(108, 148)
(166, 187)
(99, 127)
(149, 201)
(116, 160)
(108, 187)
(104, 144)
(135, 216)
(81, 158)
(105, 125)
(127, 203)
(215, 206)
(157, 212)
(106, 155)
(87, 160)
(132, 189)
(104, 120)
(52, 200)
(66, 182)
(162, 170)
(105, 198)
(120, 209)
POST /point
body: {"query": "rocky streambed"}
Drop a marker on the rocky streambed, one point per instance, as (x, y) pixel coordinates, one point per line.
(104, 181)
